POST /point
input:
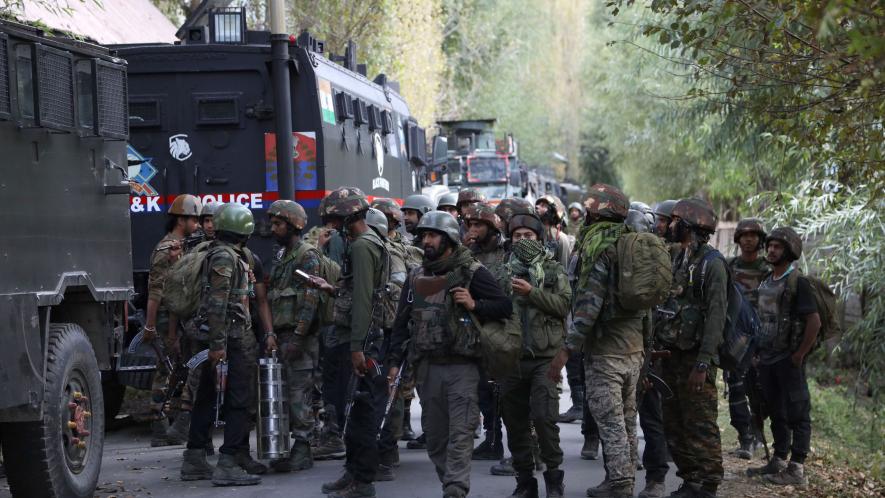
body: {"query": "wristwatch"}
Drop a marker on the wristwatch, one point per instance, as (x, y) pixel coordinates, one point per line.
(701, 366)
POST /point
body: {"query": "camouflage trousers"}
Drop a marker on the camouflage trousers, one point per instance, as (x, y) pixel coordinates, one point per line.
(161, 380)
(302, 376)
(690, 422)
(530, 398)
(611, 396)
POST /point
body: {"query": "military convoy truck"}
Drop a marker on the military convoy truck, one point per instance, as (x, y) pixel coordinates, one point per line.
(65, 256)
(202, 122)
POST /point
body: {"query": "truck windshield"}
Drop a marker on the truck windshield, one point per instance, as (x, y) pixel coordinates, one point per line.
(494, 192)
(486, 169)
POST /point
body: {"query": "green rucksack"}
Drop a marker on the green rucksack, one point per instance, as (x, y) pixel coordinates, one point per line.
(644, 271)
(827, 305)
(186, 280)
(500, 341)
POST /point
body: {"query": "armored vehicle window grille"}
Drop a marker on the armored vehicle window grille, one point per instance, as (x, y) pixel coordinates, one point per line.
(113, 120)
(143, 114)
(374, 118)
(56, 89)
(212, 110)
(360, 113)
(24, 80)
(228, 25)
(85, 94)
(5, 105)
(345, 106)
(386, 123)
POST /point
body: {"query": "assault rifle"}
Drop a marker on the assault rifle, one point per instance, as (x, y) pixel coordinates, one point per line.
(646, 372)
(758, 409)
(220, 388)
(391, 397)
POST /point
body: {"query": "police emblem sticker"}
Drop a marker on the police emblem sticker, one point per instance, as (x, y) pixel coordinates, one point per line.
(378, 148)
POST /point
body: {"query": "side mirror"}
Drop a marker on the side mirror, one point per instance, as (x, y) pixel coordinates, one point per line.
(440, 151)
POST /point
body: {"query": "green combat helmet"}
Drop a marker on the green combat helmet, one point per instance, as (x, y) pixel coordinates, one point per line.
(469, 196)
(419, 202)
(789, 238)
(377, 220)
(389, 207)
(209, 209)
(346, 201)
(185, 205)
(441, 222)
(511, 206)
(482, 212)
(449, 199)
(749, 225)
(234, 218)
(698, 213)
(607, 202)
(290, 211)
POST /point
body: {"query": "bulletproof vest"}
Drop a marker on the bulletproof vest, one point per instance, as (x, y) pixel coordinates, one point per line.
(238, 299)
(344, 299)
(399, 269)
(285, 288)
(680, 320)
(749, 277)
(440, 328)
(776, 324)
(495, 261)
(540, 333)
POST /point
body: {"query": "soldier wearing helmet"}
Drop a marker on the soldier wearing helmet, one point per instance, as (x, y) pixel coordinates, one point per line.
(414, 207)
(552, 212)
(440, 302)
(790, 325)
(295, 331)
(663, 212)
(509, 207)
(575, 218)
(207, 215)
(541, 296)
(692, 335)
(226, 311)
(448, 202)
(183, 220)
(749, 269)
(612, 341)
(358, 328)
(327, 237)
(468, 196)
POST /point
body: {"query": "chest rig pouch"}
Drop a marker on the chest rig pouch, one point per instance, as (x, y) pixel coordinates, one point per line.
(439, 327)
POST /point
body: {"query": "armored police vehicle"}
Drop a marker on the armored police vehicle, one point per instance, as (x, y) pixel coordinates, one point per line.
(66, 256)
(202, 122)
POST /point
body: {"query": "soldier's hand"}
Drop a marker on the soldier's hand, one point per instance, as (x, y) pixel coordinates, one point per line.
(175, 251)
(520, 286)
(149, 334)
(555, 370)
(216, 356)
(646, 384)
(358, 360)
(391, 377)
(797, 358)
(270, 344)
(696, 380)
(173, 346)
(462, 296)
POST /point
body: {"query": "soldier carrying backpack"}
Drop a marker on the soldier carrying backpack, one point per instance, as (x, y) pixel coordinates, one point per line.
(792, 308)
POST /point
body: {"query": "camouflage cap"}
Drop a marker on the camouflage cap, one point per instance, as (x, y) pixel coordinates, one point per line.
(345, 201)
(210, 208)
(526, 220)
(606, 201)
(665, 208)
(696, 212)
(186, 205)
(449, 199)
(511, 206)
(788, 237)
(441, 222)
(389, 207)
(377, 220)
(290, 211)
(469, 195)
(235, 218)
(481, 211)
(419, 202)
(749, 225)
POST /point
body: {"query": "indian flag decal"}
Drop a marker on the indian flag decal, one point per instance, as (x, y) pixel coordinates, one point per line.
(326, 103)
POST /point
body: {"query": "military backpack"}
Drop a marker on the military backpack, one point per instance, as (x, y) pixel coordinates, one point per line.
(187, 279)
(827, 306)
(645, 271)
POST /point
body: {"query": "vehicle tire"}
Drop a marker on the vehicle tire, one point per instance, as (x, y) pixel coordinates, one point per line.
(113, 393)
(48, 460)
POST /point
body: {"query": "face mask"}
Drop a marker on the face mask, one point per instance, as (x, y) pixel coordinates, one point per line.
(527, 250)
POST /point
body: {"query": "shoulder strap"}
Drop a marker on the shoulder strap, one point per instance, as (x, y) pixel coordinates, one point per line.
(705, 259)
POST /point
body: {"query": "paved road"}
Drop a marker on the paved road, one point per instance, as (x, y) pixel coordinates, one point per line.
(131, 468)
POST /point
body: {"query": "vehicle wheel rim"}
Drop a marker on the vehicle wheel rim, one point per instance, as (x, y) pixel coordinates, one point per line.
(77, 420)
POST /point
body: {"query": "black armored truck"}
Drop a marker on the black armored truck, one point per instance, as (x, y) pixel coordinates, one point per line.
(65, 256)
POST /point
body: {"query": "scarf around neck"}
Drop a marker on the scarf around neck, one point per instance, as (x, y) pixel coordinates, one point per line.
(592, 240)
(460, 257)
(527, 259)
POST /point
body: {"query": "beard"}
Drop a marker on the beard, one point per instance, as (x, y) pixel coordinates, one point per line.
(677, 235)
(432, 253)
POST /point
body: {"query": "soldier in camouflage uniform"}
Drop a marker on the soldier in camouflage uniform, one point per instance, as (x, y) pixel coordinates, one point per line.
(294, 311)
(541, 295)
(611, 338)
(225, 307)
(466, 197)
(183, 220)
(663, 212)
(358, 321)
(691, 329)
(552, 212)
(436, 315)
(749, 269)
(448, 203)
(414, 207)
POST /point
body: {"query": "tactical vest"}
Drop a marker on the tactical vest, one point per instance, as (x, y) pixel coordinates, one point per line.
(439, 327)
(541, 334)
(777, 327)
(286, 289)
(749, 278)
(681, 318)
(238, 316)
(343, 306)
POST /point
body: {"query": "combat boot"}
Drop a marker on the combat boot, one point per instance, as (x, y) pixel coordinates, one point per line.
(159, 436)
(338, 484)
(621, 490)
(503, 468)
(775, 465)
(356, 489)
(249, 464)
(210, 448)
(653, 489)
(590, 450)
(419, 443)
(408, 433)
(602, 489)
(180, 427)
(390, 457)
(553, 481)
(686, 490)
(454, 492)
(745, 450)
(194, 466)
(228, 473)
(300, 458)
(331, 447)
(384, 473)
(488, 450)
(793, 475)
(526, 487)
